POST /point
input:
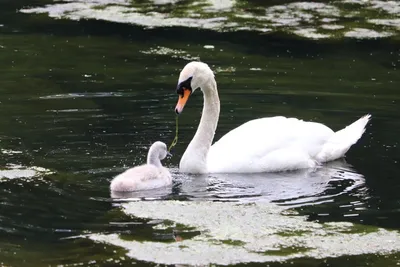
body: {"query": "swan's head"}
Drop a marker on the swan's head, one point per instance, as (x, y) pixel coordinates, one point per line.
(158, 150)
(194, 75)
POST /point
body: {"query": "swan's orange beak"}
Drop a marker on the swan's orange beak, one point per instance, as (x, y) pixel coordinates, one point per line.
(182, 100)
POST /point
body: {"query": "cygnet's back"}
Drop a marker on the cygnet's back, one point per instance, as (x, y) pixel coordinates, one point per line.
(149, 176)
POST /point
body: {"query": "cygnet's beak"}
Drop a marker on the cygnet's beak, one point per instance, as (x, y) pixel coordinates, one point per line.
(183, 98)
(169, 155)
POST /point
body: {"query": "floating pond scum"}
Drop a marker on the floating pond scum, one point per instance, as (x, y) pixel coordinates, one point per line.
(358, 19)
(15, 171)
(12, 171)
(231, 233)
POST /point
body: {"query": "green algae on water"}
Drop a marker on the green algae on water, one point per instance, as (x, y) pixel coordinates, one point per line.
(357, 19)
(286, 251)
(231, 233)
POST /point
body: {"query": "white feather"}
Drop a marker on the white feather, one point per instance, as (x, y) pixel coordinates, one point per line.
(280, 144)
(262, 145)
(149, 176)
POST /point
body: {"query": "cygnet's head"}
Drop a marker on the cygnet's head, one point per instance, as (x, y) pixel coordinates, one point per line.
(194, 75)
(157, 152)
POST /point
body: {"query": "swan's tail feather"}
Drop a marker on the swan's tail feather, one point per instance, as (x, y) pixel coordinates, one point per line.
(341, 141)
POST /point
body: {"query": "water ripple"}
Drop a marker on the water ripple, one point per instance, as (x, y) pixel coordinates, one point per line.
(85, 95)
(291, 189)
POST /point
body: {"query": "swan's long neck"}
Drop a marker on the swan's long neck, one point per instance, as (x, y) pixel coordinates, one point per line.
(194, 160)
(153, 157)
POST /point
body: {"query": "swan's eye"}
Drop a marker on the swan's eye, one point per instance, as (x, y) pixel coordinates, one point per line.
(185, 85)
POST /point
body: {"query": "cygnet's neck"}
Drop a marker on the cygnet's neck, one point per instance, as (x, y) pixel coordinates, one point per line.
(153, 157)
(194, 160)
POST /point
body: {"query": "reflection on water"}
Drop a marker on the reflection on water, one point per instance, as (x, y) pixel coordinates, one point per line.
(289, 188)
(157, 193)
(292, 189)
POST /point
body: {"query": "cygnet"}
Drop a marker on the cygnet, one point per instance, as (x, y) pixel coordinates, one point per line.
(148, 176)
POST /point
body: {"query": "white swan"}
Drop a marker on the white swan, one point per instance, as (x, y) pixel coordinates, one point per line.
(262, 145)
(149, 176)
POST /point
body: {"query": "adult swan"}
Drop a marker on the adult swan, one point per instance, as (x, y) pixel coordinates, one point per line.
(262, 145)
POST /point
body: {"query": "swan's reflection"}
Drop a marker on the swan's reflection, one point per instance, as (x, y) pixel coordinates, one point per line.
(295, 188)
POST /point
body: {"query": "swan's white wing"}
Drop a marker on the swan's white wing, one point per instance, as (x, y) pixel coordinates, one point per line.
(268, 144)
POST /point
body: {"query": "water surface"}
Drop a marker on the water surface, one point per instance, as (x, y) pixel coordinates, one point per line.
(84, 99)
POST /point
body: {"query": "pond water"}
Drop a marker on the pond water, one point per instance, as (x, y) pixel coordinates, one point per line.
(86, 88)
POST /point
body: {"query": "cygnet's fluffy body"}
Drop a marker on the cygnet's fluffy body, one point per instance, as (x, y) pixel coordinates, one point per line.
(149, 176)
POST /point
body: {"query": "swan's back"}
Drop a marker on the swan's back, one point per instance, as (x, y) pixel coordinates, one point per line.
(142, 177)
(281, 144)
(268, 144)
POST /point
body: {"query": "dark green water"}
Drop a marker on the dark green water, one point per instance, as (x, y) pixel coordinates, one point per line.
(85, 99)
